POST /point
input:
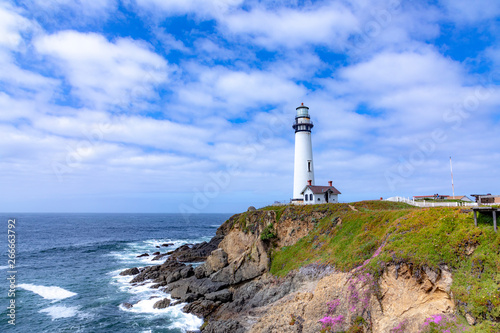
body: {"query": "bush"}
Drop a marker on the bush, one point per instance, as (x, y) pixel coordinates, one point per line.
(268, 233)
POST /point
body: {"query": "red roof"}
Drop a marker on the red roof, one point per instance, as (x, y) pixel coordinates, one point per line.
(321, 189)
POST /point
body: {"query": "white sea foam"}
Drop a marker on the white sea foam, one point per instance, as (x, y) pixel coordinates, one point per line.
(182, 320)
(52, 293)
(60, 311)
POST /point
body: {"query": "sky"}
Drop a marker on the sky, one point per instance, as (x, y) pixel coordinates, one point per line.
(186, 106)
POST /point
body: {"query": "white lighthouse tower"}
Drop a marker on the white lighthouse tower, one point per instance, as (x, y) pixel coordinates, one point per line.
(303, 171)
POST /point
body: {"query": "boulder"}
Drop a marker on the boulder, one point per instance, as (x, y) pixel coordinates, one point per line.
(186, 272)
(201, 308)
(156, 253)
(162, 304)
(216, 261)
(130, 271)
(127, 305)
(143, 255)
(200, 272)
(167, 244)
(180, 292)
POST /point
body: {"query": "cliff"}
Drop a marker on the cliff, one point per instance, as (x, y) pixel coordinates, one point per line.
(364, 267)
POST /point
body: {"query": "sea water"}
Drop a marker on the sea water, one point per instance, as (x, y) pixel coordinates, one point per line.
(68, 265)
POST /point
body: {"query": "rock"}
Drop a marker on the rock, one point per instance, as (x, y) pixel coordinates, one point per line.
(196, 252)
(216, 261)
(187, 272)
(162, 304)
(471, 320)
(191, 297)
(130, 271)
(433, 276)
(224, 326)
(180, 292)
(150, 272)
(251, 209)
(200, 272)
(157, 246)
(127, 305)
(200, 286)
(223, 296)
(167, 244)
(143, 255)
(156, 253)
(201, 308)
(159, 256)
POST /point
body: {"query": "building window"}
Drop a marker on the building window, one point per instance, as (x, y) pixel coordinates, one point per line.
(311, 197)
(307, 196)
(319, 199)
(308, 166)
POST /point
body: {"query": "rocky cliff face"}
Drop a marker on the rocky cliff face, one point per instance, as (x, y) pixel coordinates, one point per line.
(234, 291)
(404, 300)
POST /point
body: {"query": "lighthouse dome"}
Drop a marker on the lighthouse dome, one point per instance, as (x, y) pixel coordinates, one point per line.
(302, 111)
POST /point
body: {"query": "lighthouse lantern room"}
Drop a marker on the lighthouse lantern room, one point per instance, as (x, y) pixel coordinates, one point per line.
(303, 172)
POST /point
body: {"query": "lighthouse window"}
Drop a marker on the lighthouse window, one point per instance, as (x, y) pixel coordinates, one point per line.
(308, 166)
(311, 197)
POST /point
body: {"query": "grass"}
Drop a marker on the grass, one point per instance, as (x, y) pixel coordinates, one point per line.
(431, 237)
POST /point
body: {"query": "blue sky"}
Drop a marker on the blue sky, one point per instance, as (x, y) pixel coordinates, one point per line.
(186, 106)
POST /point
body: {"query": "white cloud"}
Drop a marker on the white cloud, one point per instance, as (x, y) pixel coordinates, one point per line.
(104, 73)
(205, 9)
(12, 26)
(86, 10)
(464, 11)
(291, 27)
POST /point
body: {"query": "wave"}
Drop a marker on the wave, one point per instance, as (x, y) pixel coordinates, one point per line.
(143, 298)
(53, 293)
(60, 311)
(184, 321)
(128, 256)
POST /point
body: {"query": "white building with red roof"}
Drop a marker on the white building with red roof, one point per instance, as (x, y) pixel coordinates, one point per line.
(313, 194)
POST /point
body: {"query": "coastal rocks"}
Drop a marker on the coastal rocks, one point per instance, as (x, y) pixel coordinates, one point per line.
(158, 256)
(162, 304)
(143, 255)
(232, 326)
(130, 271)
(222, 296)
(412, 297)
(198, 286)
(403, 299)
(309, 303)
(201, 308)
(215, 261)
(127, 305)
(197, 252)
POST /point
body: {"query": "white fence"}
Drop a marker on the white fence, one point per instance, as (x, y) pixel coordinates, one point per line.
(432, 204)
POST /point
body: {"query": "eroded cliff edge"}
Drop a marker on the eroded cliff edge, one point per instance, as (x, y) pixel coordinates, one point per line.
(335, 266)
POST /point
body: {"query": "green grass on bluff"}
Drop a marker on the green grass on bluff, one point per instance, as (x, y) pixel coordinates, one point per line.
(345, 238)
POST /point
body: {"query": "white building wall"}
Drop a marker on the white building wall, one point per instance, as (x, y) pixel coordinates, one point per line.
(319, 198)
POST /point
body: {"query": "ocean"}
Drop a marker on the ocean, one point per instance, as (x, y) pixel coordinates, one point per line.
(67, 271)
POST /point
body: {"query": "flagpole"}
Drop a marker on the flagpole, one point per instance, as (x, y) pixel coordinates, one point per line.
(452, 186)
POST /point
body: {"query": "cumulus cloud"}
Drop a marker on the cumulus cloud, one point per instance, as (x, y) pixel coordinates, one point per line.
(101, 72)
(291, 27)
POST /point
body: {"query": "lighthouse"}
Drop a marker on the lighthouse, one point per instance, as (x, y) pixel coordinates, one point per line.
(303, 171)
